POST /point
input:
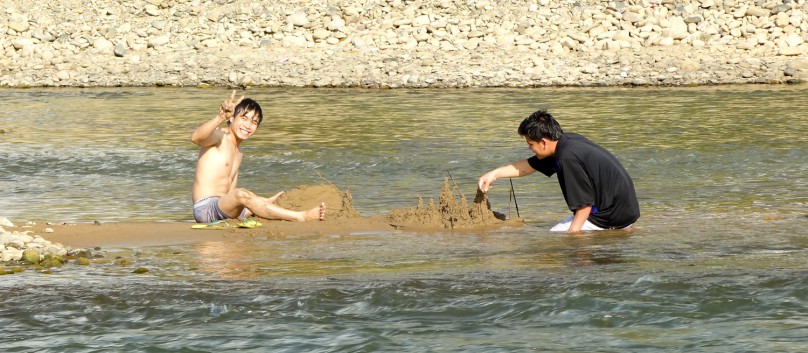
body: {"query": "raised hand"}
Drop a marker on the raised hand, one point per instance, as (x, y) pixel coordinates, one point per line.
(227, 107)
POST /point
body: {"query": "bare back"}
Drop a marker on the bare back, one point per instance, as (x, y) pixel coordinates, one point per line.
(217, 168)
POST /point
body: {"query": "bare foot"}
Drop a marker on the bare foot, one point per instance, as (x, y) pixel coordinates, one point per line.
(317, 213)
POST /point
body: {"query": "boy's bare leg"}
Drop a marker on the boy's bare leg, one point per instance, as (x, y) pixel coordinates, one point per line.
(273, 211)
(313, 214)
(272, 199)
(266, 207)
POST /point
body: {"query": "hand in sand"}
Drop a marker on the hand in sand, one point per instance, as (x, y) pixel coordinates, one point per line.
(274, 198)
(484, 184)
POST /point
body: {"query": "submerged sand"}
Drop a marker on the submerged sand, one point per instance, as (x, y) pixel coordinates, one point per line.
(451, 211)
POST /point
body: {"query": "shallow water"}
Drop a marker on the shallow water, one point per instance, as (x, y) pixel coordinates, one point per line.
(717, 261)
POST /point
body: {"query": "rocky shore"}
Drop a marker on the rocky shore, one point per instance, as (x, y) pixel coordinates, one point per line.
(27, 248)
(401, 43)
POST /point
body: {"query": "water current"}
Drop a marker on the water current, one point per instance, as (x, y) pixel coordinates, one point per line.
(717, 262)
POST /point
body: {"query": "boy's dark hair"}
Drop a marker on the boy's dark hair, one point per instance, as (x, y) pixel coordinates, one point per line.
(541, 125)
(246, 105)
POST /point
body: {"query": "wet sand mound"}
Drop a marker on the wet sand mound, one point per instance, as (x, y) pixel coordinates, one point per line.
(339, 205)
(450, 212)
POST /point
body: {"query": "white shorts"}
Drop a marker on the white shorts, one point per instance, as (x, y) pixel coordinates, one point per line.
(567, 222)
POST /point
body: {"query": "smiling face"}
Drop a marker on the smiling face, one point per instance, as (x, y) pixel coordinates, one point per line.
(247, 115)
(244, 124)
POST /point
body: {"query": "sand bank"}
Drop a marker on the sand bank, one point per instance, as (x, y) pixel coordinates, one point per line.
(451, 211)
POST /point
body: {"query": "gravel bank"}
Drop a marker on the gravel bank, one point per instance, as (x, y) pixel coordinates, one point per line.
(402, 43)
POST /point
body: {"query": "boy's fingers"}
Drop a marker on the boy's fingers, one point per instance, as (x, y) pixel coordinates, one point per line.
(233, 95)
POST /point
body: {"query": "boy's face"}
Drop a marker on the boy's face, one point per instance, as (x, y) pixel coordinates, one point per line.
(244, 125)
(539, 148)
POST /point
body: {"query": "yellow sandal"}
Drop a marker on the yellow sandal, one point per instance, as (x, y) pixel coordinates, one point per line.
(249, 223)
(221, 224)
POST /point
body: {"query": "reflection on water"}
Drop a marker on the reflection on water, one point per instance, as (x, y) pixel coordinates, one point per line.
(717, 262)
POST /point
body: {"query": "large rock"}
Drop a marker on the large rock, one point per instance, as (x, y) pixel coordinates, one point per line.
(800, 64)
(678, 28)
(102, 44)
(6, 223)
(22, 43)
(11, 254)
(30, 256)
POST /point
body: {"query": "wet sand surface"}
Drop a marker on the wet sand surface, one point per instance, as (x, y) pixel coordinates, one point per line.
(450, 211)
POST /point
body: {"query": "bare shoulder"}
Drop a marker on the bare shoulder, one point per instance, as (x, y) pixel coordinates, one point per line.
(214, 139)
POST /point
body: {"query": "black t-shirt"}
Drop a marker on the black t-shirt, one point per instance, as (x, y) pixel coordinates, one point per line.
(590, 175)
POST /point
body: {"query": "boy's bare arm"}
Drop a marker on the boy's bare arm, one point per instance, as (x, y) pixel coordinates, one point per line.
(208, 133)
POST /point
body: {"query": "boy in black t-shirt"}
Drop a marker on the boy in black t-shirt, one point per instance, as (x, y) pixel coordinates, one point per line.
(596, 187)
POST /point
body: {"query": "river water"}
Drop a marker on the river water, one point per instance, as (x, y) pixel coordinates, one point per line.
(717, 262)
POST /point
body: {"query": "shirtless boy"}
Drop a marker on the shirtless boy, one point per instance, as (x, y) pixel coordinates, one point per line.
(215, 194)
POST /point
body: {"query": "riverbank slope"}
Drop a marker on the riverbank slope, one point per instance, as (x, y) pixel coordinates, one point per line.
(402, 43)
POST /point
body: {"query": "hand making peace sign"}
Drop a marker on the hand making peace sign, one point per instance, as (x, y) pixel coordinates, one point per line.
(226, 110)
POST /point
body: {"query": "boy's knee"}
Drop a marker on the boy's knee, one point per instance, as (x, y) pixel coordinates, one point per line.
(243, 195)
